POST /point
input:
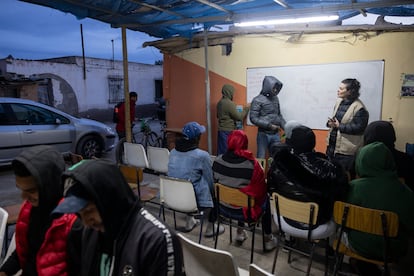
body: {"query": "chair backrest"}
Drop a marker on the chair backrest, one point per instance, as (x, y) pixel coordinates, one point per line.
(132, 175)
(3, 223)
(178, 194)
(158, 159)
(232, 196)
(365, 219)
(201, 260)
(304, 212)
(135, 155)
(255, 270)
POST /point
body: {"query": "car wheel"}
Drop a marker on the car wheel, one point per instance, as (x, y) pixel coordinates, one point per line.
(89, 146)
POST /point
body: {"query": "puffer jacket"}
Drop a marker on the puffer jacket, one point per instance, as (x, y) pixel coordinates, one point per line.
(307, 177)
(265, 108)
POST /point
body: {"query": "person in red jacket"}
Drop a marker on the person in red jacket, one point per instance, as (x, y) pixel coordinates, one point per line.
(120, 125)
(45, 245)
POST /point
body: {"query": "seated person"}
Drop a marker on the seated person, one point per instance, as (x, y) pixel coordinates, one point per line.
(298, 172)
(121, 237)
(44, 245)
(383, 131)
(377, 186)
(189, 162)
(238, 168)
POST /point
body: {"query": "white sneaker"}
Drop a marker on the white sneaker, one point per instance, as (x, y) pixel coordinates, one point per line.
(270, 242)
(209, 231)
(241, 236)
(190, 223)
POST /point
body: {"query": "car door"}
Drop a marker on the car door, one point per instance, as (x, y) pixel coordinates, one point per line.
(10, 143)
(40, 126)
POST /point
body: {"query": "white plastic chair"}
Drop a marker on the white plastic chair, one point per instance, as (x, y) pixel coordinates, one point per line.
(135, 156)
(255, 270)
(201, 260)
(3, 225)
(178, 195)
(158, 159)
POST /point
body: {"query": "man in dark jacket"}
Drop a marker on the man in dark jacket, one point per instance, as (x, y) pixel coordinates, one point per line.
(265, 113)
(44, 246)
(121, 237)
(300, 173)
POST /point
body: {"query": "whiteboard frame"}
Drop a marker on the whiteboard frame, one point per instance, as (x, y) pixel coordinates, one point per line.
(300, 81)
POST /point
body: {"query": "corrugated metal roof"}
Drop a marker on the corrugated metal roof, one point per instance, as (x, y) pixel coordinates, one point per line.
(185, 18)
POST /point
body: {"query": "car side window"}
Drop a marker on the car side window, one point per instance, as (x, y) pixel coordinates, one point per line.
(3, 116)
(34, 115)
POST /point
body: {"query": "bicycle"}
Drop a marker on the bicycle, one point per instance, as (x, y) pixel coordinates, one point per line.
(145, 136)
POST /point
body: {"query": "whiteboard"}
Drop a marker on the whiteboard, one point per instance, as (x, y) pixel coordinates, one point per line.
(309, 92)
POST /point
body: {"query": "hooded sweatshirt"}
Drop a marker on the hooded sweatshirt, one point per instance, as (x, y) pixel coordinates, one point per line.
(41, 242)
(379, 188)
(226, 110)
(134, 240)
(265, 108)
(383, 131)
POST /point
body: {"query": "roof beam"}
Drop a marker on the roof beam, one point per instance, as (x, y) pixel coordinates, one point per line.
(156, 8)
(215, 6)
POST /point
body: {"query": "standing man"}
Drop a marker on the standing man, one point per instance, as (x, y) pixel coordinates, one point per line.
(120, 125)
(121, 237)
(227, 115)
(265, 113)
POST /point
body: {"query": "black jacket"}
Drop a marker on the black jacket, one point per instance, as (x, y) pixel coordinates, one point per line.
(137, 242)
(307, 177)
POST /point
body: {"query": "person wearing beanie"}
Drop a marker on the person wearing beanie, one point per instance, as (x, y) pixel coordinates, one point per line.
(383, 131)
(265, 114)
(188, 162)
(300, 173)
(227, 115)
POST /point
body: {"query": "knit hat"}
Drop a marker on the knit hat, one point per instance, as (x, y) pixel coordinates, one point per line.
(302, 139)
(380, 131)
(289, 126)
(193, 129)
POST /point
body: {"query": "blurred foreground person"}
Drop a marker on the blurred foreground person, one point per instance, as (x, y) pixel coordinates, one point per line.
(44, 246)
(121, 237)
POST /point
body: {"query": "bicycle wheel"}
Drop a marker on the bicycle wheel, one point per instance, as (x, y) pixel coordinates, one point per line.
(152, 139)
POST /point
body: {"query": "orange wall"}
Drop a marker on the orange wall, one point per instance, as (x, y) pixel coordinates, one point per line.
(188, 102)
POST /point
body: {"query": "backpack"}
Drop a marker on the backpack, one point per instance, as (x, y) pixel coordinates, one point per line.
(115, 116)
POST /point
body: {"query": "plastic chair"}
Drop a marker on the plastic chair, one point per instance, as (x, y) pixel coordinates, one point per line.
(158, 159)
(371, 221)
(227, 196)
(3, 226)
(201, 260)
(135, 156)
(255, 270)
(178, 195)
(304, 213)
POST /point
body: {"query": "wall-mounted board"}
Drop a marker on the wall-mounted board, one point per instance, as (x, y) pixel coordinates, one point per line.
(309, 91)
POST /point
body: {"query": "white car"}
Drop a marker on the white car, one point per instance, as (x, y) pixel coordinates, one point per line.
(25, 123)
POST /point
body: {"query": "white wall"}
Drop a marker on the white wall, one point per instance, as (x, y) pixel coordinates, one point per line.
(93, 92)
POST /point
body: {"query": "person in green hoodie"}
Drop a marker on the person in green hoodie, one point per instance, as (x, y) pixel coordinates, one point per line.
(377, 186)
(227, 115)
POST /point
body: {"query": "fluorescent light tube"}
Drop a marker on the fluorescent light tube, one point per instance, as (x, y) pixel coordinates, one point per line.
(287, 21)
